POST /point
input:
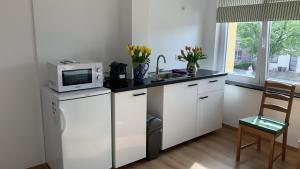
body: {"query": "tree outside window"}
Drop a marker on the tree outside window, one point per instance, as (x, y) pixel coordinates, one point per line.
(284, 48)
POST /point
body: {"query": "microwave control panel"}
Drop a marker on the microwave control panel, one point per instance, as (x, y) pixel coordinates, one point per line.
(99, 75)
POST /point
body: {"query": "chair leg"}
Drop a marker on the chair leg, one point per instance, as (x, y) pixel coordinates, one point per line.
(271, 155)
(258, 143)
(298, 159)
(239, 143)
(284, 144)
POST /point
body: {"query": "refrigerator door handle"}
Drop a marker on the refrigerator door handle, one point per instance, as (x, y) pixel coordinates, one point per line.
(62, 120)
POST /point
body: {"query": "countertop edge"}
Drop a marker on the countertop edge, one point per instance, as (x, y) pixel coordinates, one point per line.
(163, 83)
(254, 87)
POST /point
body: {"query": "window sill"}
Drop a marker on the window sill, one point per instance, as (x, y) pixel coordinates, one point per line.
(254, 87)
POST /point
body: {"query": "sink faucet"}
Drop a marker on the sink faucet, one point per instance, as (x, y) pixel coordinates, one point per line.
(157, 64)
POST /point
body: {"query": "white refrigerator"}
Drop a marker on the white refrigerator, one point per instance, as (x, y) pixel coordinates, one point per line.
(77, 129)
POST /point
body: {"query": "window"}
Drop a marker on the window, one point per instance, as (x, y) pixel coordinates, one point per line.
(284, 44)
(242, 48)
(274, 59)
(256, 51)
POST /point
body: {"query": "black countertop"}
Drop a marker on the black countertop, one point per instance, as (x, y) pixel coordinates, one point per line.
(130, 85)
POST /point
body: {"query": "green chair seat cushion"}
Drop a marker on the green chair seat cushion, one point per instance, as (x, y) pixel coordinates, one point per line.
(265, 124)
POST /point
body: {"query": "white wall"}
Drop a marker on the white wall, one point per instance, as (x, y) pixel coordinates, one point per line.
(174, 24)
(140, 22)
(21, 140)
(168, 26)
(241, 103)
(126, 33)
(80, 29)
(209, 34)
(64, 29)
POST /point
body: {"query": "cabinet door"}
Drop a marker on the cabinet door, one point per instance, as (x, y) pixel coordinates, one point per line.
(179, 114)
(86, 129)
(129, 127)
(210, 112)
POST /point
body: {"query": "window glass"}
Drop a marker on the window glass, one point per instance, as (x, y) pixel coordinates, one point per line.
(284, 51)
(243, 43)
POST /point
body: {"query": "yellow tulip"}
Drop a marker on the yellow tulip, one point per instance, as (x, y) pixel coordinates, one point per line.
(149, 51)
(146, 49)
(133, 48)
(143, 49)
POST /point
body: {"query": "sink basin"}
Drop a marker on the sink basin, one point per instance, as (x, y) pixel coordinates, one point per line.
(170, 75)
(166, 76)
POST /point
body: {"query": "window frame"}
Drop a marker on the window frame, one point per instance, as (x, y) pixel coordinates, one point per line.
(259, 65)
(262, 58)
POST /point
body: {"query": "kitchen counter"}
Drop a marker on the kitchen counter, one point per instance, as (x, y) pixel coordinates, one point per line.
(130, 85)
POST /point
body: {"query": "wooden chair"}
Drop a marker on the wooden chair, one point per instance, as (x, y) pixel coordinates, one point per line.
(261, 126)
(299, 158)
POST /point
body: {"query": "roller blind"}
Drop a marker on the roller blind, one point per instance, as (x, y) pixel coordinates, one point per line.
(257, 10)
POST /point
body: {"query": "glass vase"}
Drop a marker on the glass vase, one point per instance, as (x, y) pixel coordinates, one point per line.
(192, 69)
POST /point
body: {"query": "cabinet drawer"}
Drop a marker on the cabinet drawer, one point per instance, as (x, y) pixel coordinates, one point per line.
(211, 84)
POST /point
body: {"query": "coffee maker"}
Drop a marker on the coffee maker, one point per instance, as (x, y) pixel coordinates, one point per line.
(118, 72)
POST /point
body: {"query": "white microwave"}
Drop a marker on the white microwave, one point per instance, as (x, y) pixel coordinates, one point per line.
(70, 75)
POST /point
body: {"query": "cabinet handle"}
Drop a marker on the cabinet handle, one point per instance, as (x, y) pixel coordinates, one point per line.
(141, 94)
(213, 81)
(191, 85)
(202, 98)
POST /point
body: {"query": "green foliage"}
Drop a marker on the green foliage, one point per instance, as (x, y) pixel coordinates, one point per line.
(192, 55)
(249, 36)
(285, 37)
(242, 66)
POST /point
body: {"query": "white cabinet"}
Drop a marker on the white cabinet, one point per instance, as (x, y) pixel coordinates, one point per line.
(211, 84)
(179, 113)
(209, 112)
(176, 104)
(188, 109)
(129, 126)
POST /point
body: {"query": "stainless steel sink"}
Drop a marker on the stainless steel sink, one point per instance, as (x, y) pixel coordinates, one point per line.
(170, 75)
(166, 76)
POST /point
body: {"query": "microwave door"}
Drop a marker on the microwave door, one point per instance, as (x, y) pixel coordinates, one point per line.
(77, 79)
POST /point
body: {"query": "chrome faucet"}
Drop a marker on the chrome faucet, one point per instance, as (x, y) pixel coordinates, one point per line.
(157, 65)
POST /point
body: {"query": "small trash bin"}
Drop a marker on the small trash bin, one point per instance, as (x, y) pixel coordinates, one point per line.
(154, 136)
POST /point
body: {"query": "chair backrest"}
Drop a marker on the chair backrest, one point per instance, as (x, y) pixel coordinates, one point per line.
(271, 91)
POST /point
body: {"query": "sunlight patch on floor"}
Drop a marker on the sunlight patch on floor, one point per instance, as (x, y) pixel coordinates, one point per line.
(198, 166)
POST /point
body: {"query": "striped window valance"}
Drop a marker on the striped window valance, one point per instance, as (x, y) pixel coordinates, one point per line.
(257, 10)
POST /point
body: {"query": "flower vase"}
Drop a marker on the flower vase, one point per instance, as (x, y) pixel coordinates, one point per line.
(139, 72)
(192, 69)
